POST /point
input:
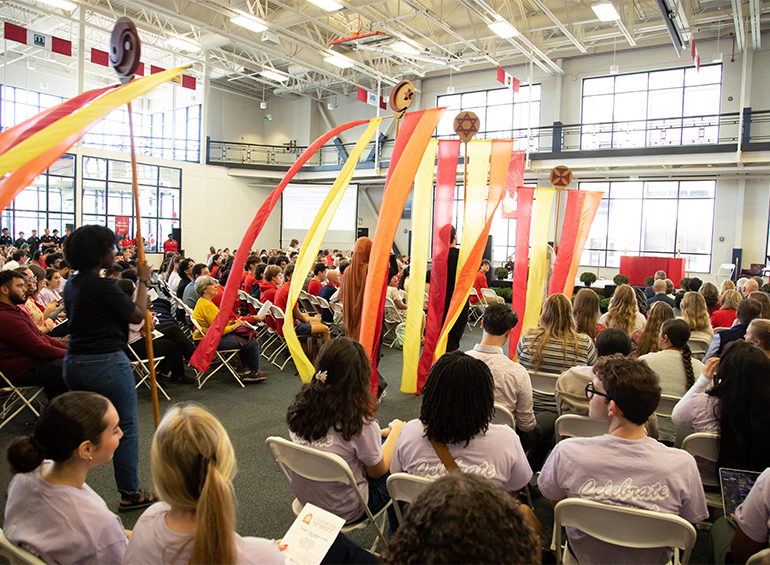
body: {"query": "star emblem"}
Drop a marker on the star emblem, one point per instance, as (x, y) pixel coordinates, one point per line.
(466, 125)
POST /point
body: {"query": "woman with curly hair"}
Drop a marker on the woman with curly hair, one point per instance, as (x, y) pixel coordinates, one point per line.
(728, 311)
(586, 312)
(624, 311)
(99, 313)
(647, 339)
(710, 294)
(464, 518)
(334, 412)
(695, 313)
(554, 346)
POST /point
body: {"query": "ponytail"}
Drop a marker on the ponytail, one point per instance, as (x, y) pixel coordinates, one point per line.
(687, 361)
(25, 454)
(214, 541)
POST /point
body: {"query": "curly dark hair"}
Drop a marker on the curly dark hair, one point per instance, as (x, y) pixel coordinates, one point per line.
(458, 399)
(86, 247)
(631, 383)
(463, 518)
(341, 399)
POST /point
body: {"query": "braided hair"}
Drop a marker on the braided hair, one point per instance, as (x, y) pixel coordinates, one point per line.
(678, 333)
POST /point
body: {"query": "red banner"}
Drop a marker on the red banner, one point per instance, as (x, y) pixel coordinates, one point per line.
(561, 268)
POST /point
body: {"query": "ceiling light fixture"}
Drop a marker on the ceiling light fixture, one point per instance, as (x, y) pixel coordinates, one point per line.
(403, 47)
(249, 23)
(606, 12)
(271, 74)
(503, 28)
(614, 69)
(63, 4)
(328, 5)
(339, 61)
(183, 44)
(717, 57)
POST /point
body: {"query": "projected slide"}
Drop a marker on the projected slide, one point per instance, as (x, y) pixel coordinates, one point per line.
(300, 204)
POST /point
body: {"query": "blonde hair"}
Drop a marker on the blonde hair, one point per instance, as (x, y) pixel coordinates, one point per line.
(586, 312)
(556, 322)
(623, 309)
(193, 464)
(694, 312)
(730, 300)
(726, 285)
(648, 342)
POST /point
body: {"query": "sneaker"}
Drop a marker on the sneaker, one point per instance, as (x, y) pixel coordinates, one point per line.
(253, 377)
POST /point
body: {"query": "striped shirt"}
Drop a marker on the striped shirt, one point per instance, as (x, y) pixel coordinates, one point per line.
(554, 360)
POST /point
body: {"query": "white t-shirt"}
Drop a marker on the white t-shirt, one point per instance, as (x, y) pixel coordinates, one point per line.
(753, 515)
(62, 524)
(638, 473)
(496, 455)
(154, 542)
(337, 498)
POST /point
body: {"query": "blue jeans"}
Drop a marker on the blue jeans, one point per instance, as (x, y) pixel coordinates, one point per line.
(110, 375)
(249, 353)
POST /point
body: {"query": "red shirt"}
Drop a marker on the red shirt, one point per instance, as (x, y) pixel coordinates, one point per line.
(22, 343)
(329, 261)
(281, 300)
(267, 292)
(723, 318)
(170, 245)
(314, 287)
(479, 282)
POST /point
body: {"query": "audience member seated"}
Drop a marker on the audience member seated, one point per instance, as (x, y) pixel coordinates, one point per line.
(726, 285)
(750, 286)
(40, 315)
(673, 363)
(725, 316)
(50, 510)
(624, 311)
(650, 291)
(659, 288)
(319, 277)
(190, 297)
(248, 278)
(646, 340)
(398, 299)
(695, 313)
(735, 407)
(206, 312)
(331, 288)
(334, 412)
(303, 325)
(553, 346)
(764, 300)
(710, 294)
(255, 290)
(759, 334)
(458, 402)
(748, 310)
(28, 357)
(464, 518)
(624, 467)
(184, 270)
(586, 310)
(18, 259)
(481, 282)
(49, 294)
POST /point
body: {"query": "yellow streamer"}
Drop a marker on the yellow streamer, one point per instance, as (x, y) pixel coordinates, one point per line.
(541, 223)
(421, 215)
(473, 223)
(63, 128)
(312, 244)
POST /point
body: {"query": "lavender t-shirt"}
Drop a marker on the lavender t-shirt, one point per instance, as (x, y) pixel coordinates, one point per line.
(154, 542)
(338, 498)
(62, 524)
(496, 455)
(753, 515)
(639, 473)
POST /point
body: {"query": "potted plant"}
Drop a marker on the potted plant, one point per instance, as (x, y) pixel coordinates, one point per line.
(588, 278)
(649, 281)
(620, 279)
(501, 273)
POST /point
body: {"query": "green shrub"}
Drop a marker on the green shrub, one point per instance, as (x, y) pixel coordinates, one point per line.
(684, 284)
(620, 279)
(588, 278)
(506, 293)
(649, 281)
(501, 273)
(604, 304)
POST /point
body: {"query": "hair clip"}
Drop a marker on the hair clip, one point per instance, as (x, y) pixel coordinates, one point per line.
(321, 376)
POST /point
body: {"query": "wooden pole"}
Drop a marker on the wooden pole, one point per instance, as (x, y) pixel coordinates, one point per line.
(140, 251)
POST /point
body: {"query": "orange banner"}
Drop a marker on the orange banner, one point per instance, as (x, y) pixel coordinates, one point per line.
(587, 214)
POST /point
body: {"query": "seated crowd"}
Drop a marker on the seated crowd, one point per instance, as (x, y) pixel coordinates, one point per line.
(613, 369)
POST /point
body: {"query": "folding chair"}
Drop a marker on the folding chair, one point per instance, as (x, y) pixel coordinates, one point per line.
(305, 304)
(698, 347)
(758, 557)
(390, 321)
(16, 555)
(316, 304)
(143, 371)
(490, 296)
(476, 309)
(24, 395)
(664, 410)
(706, 446)
(725, 273)
(624, 526)
(223, 356)
(574, 425)
(316, 465)
(503, 416)
(338, 326)
(404, 487)
(544, 391)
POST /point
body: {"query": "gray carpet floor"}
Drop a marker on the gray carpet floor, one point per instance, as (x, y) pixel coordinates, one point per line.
(250, 415)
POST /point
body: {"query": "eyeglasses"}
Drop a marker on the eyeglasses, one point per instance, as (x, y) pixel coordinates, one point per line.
(591, 391)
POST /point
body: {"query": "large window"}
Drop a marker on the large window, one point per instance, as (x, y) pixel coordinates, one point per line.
(652, 219)
(671, 107)
(502, 114)
(107, 193)
(48, 202)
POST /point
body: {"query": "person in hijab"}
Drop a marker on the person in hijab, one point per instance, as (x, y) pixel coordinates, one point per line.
(352, 287)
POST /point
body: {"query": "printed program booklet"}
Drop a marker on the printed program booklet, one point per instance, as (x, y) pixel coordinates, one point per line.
(311, 535)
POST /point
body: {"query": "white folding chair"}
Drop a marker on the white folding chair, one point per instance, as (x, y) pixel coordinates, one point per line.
(476, 310)
(305, 303)
(490, 296)
(23, 395)
(574, 425)
(16, 555)
(316, 310)
(277, 314)
(705, 446)
(404, 487)
(620, 525)
(503, 416)
(544, 391)
(665, 408)
(338, 326)
(316, 465)
(698, 347)
(758, 557)
(143, 371)
(724, 273)
(390, 321)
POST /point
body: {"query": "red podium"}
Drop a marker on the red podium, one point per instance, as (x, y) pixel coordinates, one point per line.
(639, 268)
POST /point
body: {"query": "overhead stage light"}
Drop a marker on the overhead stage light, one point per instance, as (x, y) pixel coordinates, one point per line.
(249, 23)
(606, 12)
(328, 5)
(339, 61)
(267, 73)
(503, 28)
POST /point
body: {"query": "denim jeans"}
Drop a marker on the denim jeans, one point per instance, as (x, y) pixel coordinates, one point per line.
(249, 353)
(110, 375)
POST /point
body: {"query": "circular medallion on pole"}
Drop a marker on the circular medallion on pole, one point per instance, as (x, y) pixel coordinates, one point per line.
(561, 177)
(401, 97)
(466, 125)
(125, 49)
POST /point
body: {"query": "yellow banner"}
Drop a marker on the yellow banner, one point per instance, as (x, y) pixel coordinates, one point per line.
(541, 223)
(62, 129)
(312, 244)
(421, 216)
